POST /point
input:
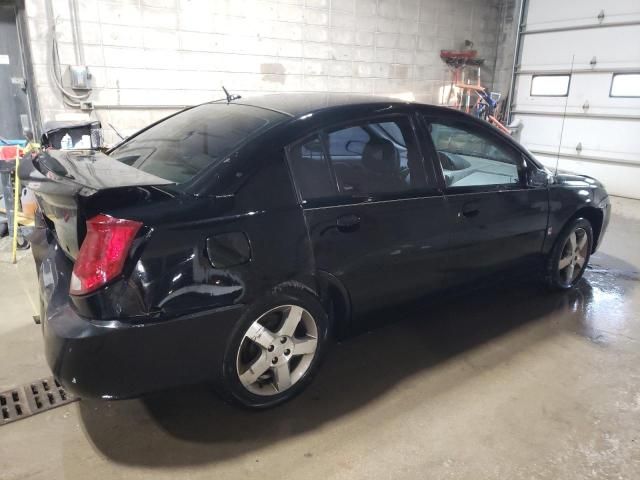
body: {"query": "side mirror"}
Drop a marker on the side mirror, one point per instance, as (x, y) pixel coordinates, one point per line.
(537, 177)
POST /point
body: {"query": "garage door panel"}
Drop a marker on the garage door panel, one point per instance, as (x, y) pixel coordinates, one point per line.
(554, 13)
(613, 47)
(618, 140)
(600, 134)
(590, 88)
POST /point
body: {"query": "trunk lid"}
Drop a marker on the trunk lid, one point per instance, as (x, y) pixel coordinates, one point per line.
(69, 184)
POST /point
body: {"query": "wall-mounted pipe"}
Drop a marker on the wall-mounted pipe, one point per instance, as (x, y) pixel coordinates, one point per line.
(75, 32)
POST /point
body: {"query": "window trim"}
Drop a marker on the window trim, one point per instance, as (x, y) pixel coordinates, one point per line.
(613, 76)
(566, 94)
(427, 119)
(340, 199)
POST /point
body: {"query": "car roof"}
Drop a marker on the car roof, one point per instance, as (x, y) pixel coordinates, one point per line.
(297, 104)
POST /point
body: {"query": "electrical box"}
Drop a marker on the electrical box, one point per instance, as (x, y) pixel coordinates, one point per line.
(79, 77)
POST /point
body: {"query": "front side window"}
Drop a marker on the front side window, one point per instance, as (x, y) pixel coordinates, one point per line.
(472, 159)
(375, 158)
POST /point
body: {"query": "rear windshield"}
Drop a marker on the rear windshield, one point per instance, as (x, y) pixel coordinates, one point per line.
(181, 146)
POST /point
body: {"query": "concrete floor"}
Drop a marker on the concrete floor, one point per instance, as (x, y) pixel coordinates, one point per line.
(507, 384)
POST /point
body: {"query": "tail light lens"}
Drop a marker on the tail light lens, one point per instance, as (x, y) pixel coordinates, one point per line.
(103, 252)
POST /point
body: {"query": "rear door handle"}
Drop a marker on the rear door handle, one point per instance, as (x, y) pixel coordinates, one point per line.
(348, 223)
(469, 210)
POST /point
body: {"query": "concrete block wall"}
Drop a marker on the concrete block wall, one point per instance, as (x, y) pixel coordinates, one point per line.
(508, 15)
(149, 55)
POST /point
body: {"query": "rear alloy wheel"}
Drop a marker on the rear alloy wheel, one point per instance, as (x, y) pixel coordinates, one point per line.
(277, 350)
(571, 254)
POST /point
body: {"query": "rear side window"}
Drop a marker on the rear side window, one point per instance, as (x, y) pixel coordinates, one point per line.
(366, 159)
(181, 146)
(376, 157)
(311, 169)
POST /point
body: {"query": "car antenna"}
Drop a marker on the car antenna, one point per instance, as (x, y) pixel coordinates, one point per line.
(230, 97)
(564, 114)
(116, 131)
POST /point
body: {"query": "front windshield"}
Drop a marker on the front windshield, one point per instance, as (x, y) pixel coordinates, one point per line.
(181, 146)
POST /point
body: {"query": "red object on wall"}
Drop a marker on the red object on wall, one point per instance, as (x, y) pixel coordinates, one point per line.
(9, 152)
(458, 54)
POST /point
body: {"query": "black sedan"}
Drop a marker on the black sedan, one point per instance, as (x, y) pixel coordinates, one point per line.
(228, 242)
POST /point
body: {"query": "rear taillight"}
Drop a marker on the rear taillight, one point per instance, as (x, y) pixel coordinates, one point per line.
(103, 252)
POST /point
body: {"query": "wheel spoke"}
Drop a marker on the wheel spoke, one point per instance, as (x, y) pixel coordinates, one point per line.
(564, 262)
(580, 261)
(569, 273)
(256, 369)
(282, 377)
(260, 335)
(582, 242)
(572, 241)
(304, 346)
(291, 321)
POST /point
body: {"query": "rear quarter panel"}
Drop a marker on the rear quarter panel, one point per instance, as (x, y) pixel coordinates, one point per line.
(171, 274)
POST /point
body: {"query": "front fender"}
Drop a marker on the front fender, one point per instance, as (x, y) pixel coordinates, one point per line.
(575, 195)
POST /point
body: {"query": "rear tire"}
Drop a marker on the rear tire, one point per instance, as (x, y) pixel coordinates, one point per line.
(568, 260)
(275, 350)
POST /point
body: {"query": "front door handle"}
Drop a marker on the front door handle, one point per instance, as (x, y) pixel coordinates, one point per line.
(469, 210)
(348, 223)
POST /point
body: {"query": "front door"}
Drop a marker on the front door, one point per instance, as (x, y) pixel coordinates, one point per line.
(500, 221)
(375, 219)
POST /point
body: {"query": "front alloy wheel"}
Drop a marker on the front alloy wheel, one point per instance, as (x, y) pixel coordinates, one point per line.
(277, 350)
(570, 256)
(574, 255)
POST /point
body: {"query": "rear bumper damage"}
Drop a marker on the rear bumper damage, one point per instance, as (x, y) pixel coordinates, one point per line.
(121, 359)
(112, 360)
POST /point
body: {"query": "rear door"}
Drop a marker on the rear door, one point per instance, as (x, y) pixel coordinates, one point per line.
(376, 219)
(500, 221)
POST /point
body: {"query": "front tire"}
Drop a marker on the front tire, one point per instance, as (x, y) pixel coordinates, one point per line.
(275, 350)
(570, 255)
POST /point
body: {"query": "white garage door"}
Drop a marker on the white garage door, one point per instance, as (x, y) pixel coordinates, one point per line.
(577, 88)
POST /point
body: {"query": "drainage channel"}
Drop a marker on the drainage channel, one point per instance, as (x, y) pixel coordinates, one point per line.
(32, 398)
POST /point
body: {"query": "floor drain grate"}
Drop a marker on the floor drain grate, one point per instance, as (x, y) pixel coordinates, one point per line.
(34, 397)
